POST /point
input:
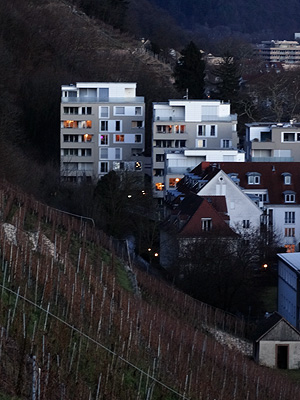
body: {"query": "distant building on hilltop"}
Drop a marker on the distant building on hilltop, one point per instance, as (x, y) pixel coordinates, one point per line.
(102, 130)
(283, 51)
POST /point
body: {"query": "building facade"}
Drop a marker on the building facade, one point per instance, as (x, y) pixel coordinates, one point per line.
(289, 287)
(102, 130)
(284, 51)
(189, 124)
(273, 142)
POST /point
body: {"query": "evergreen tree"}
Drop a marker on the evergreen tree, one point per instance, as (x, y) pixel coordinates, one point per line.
(228, 83)
(190, 72)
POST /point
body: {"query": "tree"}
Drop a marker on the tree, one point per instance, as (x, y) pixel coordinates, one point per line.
(222, 271)
(228, 80)
(190, 72)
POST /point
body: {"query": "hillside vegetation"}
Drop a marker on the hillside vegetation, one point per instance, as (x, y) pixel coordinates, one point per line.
(99, 328)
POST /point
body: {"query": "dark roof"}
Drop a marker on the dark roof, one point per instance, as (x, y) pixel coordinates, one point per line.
(271, 176)
(268, 324)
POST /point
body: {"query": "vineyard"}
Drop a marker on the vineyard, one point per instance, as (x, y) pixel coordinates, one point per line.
(78, 320)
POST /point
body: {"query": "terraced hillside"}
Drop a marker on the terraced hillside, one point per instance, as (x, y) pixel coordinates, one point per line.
(79, 321)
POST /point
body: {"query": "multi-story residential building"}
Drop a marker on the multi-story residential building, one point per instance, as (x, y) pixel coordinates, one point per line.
(189, 124)
(273, 142)
(102, 129)
(284, 51)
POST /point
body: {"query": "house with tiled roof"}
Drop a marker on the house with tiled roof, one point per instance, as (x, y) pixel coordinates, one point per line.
(277, 343)
(194, 217)
(255, 193)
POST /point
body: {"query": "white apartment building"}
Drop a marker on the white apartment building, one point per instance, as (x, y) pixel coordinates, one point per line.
(188, 125)
(283, 51)
(102, 129)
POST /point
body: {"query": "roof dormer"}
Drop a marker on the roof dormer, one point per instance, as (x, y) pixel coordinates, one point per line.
(253, 178)
(287, 178)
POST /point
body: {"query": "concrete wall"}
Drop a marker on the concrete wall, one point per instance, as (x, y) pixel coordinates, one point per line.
(268, 354)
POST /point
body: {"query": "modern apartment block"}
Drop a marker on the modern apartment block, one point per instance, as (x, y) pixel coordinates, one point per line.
(188, 124)
(273, 142)
(284, 51)
(102, 129)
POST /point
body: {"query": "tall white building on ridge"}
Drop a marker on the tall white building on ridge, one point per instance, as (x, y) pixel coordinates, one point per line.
(102, 129)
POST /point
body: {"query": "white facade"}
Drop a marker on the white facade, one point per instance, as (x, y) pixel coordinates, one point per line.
(102, 129)
(189, 124)
(242, 210)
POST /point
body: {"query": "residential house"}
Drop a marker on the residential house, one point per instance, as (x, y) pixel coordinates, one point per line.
(289, 287)
(189, 124)
(191, 218)
(277, 343)
(272, 142)
(102, 130)
(255, 193)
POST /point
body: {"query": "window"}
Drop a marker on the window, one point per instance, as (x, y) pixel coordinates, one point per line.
(104, 152)
(290, 248)
(70, 152)
(159, 186)
(180, 128)
(119, 110)
(117, 153)
(180, 143)
(138, 138)
(136, 152)
(288, 136)
(103, 93)
(103, 125)
(201, 143)
(158, 172)
(118, 126)
(70, 138)
(138, 110)
(226, 143)
(253, 178)
(138, 166)
(71, 110)
(159, 157)
(287, 177)
(206, 224)
(87, 138)
(136, 124)
(104, 140)
(85, 124)
(289, 217)
(103, 167)
(289, 197)
(164, 128)
(86, 110)
(246, 223)
(201, 130)
(289, 232)
(86, 152)
(213, 130)
(173, 182)
(119, 138)
(104, 112)
(70, 124)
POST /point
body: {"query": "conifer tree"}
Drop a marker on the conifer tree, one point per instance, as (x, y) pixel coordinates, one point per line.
(190, 72)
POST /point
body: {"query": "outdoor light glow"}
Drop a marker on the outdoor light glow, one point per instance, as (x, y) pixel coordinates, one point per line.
(265, 266)
(155, 254)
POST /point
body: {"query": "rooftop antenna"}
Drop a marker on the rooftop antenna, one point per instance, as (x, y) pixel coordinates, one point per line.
(187, 94)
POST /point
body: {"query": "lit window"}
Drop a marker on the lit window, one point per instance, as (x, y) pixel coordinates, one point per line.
(290, 248)
(173, 182)
(201, 130)
(159, 186)
(289, 217)
(138, 166)
(206, 224)
(70, 124)
(119, 138)
(104, 140)
(87, 137)
(85, 124)
(289, 232)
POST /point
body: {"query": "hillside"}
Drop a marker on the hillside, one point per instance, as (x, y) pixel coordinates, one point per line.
(84, 322)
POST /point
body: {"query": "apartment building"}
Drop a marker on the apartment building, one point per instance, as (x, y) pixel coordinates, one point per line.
(283, 51)
(188, 124)
(273, 142)
(102, 130)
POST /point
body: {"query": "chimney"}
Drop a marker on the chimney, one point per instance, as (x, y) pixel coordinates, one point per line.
(204, 165)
